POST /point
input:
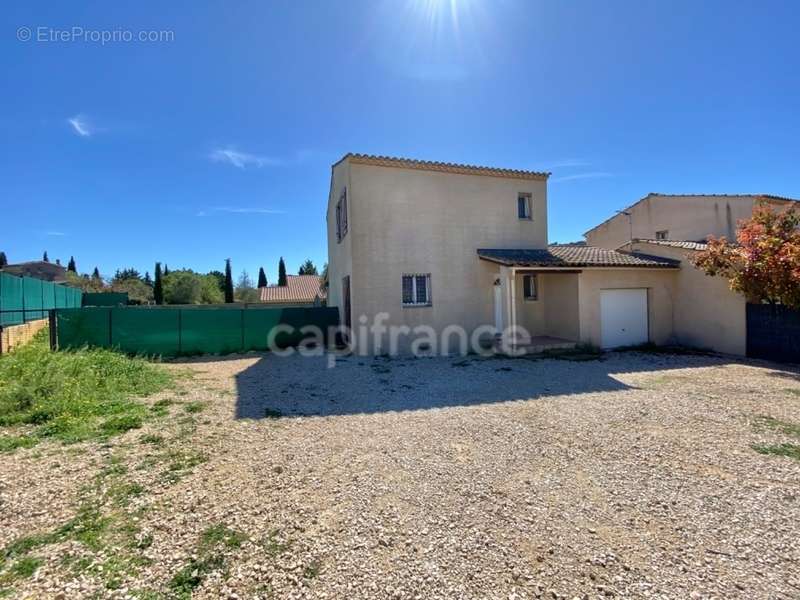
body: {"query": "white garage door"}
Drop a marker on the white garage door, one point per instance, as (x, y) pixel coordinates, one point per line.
(623, 317)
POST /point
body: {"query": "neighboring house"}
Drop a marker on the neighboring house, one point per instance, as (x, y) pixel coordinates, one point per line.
(439, 244)
(706, 313)
(38, 269)
(300, 290)
(680, 217)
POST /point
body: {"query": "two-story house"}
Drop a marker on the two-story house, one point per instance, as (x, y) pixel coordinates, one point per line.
(422, 247)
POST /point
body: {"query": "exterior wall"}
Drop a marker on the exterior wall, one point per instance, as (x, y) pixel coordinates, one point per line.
(691, 218)
(417, 221)
(340, 253)
(12, 336)
(707, 313)
(561, 305)
(660, 284)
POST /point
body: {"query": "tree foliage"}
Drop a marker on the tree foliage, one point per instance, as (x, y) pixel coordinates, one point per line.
(125, 274)
(308, 268)
(764, 263)
(262, 277)
(96, 274)
(158, 286)
(44, 257)
(245, 292)
(281, 272)
(228, 282)
(3, 259)
(71, 265)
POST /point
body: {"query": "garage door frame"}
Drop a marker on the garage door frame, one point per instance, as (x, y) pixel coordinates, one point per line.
(646, 313)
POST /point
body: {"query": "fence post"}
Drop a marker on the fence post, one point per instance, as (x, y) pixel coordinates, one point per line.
(51, 317)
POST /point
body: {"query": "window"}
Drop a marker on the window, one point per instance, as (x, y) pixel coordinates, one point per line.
(662, 235)
(530, 287)
(341, 216)
(417, 290)
(524, 206)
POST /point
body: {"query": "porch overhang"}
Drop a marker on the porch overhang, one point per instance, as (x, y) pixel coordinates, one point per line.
(572, 258)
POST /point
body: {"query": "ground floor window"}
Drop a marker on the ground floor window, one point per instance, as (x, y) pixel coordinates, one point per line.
(417, 289)
(530, 287)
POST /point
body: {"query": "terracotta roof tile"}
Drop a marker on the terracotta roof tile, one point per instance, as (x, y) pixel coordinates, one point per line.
(298, 288)
(573, 256)
(427, 165)
(685, 244)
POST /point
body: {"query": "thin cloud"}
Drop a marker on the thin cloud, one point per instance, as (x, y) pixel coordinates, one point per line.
(242, 160)
(565, 164)
(236, 210)
(55, 233)
(80, 125)
(591, 175)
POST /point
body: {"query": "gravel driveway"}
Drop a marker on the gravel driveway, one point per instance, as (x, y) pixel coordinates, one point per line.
(632, 476)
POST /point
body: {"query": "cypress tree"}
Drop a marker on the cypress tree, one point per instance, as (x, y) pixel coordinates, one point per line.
(262, 277)
(71, 265)
(281, 272)
(158, 288)
(147, 279)
(44, 258)
(166, 270)
(96, 273)
(228, 282)
(3, 259)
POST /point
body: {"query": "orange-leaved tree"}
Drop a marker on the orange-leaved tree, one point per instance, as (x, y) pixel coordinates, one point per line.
(764, 263)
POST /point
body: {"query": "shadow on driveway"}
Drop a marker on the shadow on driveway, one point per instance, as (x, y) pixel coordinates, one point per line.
(302, 386)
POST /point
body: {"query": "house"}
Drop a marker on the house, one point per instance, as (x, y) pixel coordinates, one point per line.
(38, 269)
(300, 290)
(682, 217)
(706, 313)
(422, 250)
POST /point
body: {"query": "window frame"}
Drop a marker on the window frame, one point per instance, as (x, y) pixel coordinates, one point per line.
(528, 206)
(341, 216)
(662, 235)
(534, 279)
(428, 293)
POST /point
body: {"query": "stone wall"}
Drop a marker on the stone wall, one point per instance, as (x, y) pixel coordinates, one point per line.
(12, 336)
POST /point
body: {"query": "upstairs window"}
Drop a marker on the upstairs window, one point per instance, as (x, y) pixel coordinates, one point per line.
(662, 235)
(417, 290)
(341, 216)
(530, 287)
(524, 207)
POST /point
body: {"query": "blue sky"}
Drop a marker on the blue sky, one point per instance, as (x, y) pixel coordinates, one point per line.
(219, 143)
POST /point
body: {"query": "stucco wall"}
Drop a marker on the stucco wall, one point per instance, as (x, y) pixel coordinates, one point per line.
(340, 254)
(561, 305)
(684, 217)
(707, 313)
(415, 221)
(660, 285)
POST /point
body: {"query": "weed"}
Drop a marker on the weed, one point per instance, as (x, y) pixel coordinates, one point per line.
(161, 407)
(9, 443)
(311, 570)
(181, 463)
(785, 427)
(74, 395)
(221, 535)
(194, 407)
(651, 348)
(270, 413)
(790, 450)
(795, 391)
(151, 438)
(273, 545)
(25, 567)
(191, 575)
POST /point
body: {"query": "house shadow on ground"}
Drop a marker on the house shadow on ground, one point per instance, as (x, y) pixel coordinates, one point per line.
(337, 385)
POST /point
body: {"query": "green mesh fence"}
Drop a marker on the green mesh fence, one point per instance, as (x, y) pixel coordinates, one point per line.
(26, 298)
(170, 331)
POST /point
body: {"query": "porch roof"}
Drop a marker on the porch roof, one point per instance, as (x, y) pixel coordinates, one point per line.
(574, 256)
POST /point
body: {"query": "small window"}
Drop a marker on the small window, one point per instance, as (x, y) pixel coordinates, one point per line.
(662, 235)
(417, 290)
(530, 287)
(524, 206)
(341, 216)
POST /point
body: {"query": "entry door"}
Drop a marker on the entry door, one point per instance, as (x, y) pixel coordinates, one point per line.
(623, 317)
(348, 319)
(498, 307)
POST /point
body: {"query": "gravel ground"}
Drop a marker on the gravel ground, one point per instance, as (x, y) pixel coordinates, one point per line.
(632, 476)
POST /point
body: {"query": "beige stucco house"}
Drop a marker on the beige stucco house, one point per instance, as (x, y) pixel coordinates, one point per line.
(706, 313)
(420, 246)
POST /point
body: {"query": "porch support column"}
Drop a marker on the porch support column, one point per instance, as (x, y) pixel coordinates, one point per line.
(507, 285)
